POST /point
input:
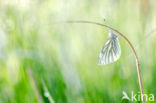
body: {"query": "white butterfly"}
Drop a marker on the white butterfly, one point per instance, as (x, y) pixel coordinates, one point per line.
(110, 51)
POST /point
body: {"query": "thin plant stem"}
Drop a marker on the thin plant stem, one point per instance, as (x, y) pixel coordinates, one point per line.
(34, 85)
(51, 100)
(131, 46)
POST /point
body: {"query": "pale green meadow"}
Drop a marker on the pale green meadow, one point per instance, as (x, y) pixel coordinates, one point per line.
(45, 60)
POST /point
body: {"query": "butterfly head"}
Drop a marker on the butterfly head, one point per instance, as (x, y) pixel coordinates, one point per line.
(112, 35)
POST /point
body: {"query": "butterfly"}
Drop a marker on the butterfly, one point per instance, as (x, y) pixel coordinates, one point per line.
(110, 51)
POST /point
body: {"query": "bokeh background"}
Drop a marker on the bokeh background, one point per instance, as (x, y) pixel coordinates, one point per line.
(44, 60)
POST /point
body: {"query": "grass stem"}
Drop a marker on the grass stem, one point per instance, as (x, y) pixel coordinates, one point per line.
(131, 46)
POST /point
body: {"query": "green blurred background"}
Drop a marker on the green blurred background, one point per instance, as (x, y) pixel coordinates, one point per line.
(43, 59)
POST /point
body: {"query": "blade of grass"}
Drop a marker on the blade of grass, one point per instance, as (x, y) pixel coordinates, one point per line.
(46, 93)
(34, 85)
(131, 46)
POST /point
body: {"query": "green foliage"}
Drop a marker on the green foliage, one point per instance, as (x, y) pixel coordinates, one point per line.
(125, 101)
(33, 36)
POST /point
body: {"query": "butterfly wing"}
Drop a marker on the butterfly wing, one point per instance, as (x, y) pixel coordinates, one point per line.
(110, 52)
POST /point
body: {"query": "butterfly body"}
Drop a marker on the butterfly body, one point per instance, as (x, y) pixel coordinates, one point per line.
(110, 51)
